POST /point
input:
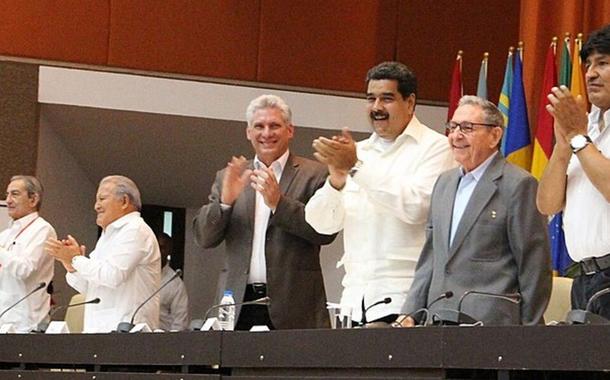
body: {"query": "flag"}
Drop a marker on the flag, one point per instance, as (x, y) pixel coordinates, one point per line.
(482, 84)
(457, 90)
(518, 149)
(543, 141)
(504, 101)
(565, 69)
(577, 83)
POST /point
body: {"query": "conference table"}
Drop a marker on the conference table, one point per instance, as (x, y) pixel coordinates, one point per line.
(510, 352)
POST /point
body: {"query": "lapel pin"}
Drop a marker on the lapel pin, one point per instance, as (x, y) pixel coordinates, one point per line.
(493, 214)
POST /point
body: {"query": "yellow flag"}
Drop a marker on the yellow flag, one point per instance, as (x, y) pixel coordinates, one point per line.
(577, 82)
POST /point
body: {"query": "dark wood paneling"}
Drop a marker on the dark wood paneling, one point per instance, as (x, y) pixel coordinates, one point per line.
(217, 38)
(63, 30)
(18, 120)
(325, 44)
(431, 33)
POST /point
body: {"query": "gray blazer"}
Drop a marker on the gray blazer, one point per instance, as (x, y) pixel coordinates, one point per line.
(292, 248)
(500, 246)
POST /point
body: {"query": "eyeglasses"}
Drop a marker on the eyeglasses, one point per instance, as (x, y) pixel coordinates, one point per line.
(465, 127)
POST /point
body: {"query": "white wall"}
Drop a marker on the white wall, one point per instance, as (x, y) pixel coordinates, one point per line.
(67, 202)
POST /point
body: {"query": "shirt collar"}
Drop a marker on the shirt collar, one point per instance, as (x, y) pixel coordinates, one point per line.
(123, 220)
(414, 129)
(24, 220)
(277, 165)
(478, 172)
(594, 120)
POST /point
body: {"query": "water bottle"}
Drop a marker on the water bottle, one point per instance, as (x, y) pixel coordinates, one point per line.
(226, 314)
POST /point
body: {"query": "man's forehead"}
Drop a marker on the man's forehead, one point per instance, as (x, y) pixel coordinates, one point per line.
(596, 56)
(16, 185)
(382, 86)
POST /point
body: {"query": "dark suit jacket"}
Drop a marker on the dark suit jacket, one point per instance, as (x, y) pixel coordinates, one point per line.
(292, 247)
(500, 246)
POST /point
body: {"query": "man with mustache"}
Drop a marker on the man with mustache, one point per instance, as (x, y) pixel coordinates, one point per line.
(378, 193)
(256, 209)
(484, 233)
(577, 178)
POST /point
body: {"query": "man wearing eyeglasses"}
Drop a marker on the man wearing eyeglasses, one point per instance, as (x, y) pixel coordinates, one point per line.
(484, 233)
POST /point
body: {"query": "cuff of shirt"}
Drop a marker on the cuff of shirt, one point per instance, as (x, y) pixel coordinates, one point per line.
(225, 207)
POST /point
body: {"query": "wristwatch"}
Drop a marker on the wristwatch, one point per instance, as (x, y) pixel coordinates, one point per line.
(355, 168)
(579, 142)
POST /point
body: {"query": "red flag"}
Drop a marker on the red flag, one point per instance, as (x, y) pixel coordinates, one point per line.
(456, 91)
(543, 142)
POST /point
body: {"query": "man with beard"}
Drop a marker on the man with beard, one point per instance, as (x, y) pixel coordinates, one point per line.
(378, 193)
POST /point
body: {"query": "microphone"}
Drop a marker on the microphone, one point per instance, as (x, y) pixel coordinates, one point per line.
(196, 324)
(457, 317)
(448, 294)
(587, 317)
(42, 326)
(384, 301)
(37, 288)
(124, 327)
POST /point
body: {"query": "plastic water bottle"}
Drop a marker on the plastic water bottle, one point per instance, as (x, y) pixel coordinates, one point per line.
(226, 314)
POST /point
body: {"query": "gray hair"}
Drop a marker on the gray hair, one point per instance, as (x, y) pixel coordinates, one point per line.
(491, 113)
(32, 186)
(124, 186)
(268, 101)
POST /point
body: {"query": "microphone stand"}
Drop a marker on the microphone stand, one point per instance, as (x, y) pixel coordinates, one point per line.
(42, 326)
(587, 317)
(37, 288)
(457, 317)
(125, 327)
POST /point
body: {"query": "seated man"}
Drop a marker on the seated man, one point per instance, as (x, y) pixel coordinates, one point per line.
(23, 264)
(124, 268)
(484, 233)
(174, 301)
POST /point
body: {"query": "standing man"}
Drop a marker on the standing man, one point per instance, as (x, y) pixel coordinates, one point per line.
(23, 264)
(484, 233)
(124, 268)
(378, 193)
(174, 301)
(577, 178)
(257, 208)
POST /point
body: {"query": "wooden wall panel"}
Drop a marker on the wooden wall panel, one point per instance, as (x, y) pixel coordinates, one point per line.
(18, 120)
(217, 38)
(327, 44)
(431, 33)
(63, 30)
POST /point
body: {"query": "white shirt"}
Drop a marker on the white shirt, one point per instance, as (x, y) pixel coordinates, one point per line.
(586, 217)
(383, 211)
(174, 310)
(258, 265)
(123, 270)
(23, 266)
(468, 182)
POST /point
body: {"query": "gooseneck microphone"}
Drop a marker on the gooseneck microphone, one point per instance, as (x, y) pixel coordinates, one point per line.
(196, 324)
(457, 317)
(124, 327)
(587, 317)
(37, 288)
(448, 294)
(384, 301)
(42, 326)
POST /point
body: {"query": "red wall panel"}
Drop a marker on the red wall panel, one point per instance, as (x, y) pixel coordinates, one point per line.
(211, 38)
(64, 30)
(327, 44)
(431, 33)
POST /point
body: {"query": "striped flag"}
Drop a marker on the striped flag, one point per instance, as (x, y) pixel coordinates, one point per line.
(565, 69)
(457, 89)
(518, 149)
(507, 85)
(577, 82)
(482, 84)
(543, 141)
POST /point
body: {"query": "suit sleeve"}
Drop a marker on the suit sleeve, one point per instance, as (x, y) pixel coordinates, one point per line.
(530, 246)
(210, 224)
(290, 214)
(417, 297)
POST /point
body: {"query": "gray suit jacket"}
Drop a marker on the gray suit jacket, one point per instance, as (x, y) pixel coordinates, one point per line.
(500, 246)
(292, 248)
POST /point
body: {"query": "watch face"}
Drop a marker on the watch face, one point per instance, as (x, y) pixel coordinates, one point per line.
(578, 141)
